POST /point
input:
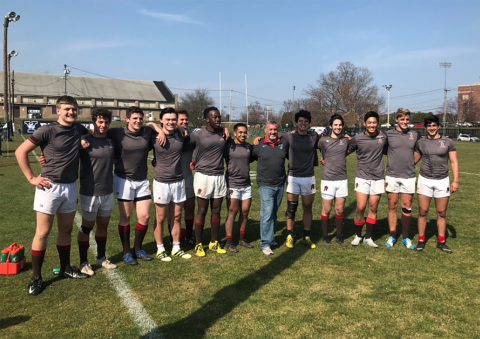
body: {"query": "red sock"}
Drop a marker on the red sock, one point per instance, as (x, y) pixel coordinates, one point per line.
(421, 238)
(441, 239)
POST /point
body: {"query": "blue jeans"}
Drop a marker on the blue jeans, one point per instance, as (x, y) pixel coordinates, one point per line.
(270, 200)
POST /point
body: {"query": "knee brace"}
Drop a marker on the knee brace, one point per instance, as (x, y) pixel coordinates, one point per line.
(407, 210)
(291, 209)
(85, 230)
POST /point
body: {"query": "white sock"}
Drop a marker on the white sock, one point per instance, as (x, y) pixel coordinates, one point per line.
(176, 246)
(160, 248)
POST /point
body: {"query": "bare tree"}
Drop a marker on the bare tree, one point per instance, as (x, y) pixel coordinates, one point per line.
(256, 114)
(195, 102)
(346, 90)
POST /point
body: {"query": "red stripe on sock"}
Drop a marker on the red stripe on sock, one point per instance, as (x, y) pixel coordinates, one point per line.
(141, 227)
(359, 223)
(215, 219)
(406, 215)
(63, 248)
(84, 243)
(229, 236)
(199, 223)
(324, 217)
(38, 253)
(242, 232)
(440, 238)
(371, 221)
(339, 216)
(101, 238)
(123, 228)
(421, 238)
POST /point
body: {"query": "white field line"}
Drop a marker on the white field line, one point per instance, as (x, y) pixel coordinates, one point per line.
(468, 173)
(147, 326)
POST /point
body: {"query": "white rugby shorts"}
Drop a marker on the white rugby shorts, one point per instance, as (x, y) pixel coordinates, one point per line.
(209, 186)
(189, 191)
(436, 188)
(240, 193)
(334, 189)
(399, 185)
(93, 206)
(370, 187)
(163, 193)
(301, 185)
(126, 189)
(60, 198)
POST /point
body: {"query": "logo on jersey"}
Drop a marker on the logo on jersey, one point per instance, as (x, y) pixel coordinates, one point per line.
(310, 137)
(341, 142)
(325, 188)
(380, 141)
(30, 126)
(176, 136)
(110, 143)
(411, 136)
(280, 146)
(442, 144)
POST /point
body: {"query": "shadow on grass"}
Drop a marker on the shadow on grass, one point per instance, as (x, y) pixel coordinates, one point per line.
(229, 297)
(12, 321)
(431, 230)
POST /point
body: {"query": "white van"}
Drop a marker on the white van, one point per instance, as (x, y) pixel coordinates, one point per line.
(319, 129)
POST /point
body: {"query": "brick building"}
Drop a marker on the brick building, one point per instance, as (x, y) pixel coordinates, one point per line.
(38, 93)
(469, 102)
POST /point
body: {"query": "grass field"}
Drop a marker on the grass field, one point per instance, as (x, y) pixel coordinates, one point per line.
(299, 293)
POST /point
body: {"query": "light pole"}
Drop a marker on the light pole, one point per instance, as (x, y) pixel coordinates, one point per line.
(12, 16)
(445, 65)
(66, 72)
(10, 101)
(293, 95)
(388, 104)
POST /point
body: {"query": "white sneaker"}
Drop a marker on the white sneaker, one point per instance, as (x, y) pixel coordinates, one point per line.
(356, 241)
(267, 251)
(105, 263)
(370, 243)
(86, 268)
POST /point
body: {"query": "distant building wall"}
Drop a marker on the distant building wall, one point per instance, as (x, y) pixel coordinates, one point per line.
(469, 102)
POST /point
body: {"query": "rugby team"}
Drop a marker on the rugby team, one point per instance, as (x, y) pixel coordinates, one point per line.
(113, 164)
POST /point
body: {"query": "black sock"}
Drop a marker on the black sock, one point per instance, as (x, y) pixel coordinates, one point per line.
(124, 233)
(290, 232)
(393, 234)
(101, 244)
(37, 262)
(306, 233)
(368, 233)
(189, 228)
(358, 230)
(83, 250)
(64, 254)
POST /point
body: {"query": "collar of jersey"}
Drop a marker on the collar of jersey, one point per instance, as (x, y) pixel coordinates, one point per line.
(268, 142)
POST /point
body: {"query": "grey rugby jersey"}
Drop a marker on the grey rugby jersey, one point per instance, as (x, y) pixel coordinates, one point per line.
(301, 153)
(208, 154)
(61, 147)
(237, 158)
(131, 151)
(96, 166)
(400, 160)
(168, 168)
(369, 155)
(334, 152)
(434, 156)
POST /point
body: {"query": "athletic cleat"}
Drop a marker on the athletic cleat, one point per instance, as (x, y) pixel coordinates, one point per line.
(86, 268)
(444, 247)
(391, 241)
(408, 243)
(341, 242)
(245, 244)
(128, 259)
(273, 244)
(327, 242)
(369, 242)
(181, 254)
(199, 252)
(307, 242)
(420, 246)
(356, 241)
(163, 256)
(290, 242)
(71, 274)
(140, 254)
(267, 251)
(231, 248)
(35, 285)
(214, 246)
(105, 263)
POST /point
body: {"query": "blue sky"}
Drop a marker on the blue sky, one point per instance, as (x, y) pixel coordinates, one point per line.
(278, 44)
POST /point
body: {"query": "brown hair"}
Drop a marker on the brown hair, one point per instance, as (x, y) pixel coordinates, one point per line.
(66, 100)
(402, 112)
(101, 112)
(132, 110)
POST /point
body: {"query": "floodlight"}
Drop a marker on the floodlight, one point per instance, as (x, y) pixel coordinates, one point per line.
(12, 15)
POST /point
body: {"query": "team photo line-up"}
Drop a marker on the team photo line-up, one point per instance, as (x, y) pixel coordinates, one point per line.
(113, 165)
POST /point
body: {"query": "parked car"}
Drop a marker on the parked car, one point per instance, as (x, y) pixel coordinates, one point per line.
(467, 137)
(410, 125)
(319, 129)
(352, 133)
(417, 124)
(115, 118)
(465, 124)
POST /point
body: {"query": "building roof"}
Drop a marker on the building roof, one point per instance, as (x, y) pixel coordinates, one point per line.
(37, 84)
